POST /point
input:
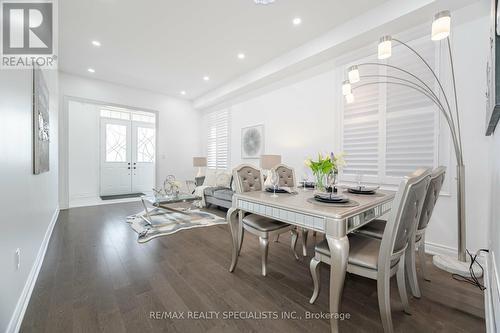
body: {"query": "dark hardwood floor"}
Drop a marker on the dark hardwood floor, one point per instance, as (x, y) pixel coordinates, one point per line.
(97, 278)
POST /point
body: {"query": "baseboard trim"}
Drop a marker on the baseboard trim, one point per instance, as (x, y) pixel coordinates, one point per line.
(442, 250)
(24, 299)
(491, 295)
(438, 249)
(96, 201)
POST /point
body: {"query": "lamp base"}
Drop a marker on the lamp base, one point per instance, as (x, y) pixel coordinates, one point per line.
(200, 173)
(455, 266)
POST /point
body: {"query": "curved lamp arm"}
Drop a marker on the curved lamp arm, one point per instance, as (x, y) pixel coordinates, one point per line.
(429, 89)
(439, 105)
(440, 84)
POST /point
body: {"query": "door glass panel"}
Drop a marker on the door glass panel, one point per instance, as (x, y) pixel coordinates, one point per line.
(145, 144)
(116, 143)
(143, 118)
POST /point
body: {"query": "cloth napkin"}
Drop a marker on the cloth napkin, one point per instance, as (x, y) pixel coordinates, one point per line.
(287, 189)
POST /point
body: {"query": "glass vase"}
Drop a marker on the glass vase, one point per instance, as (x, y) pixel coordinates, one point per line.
(320, 182)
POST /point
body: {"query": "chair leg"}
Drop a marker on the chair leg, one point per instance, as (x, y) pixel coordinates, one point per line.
(384, 302)
(305, 233)
(240, 240)
(411, 270)
(293, 244)
(264, 247)
(421, 256)
(314, 267)
(402, 285)
(277, 238)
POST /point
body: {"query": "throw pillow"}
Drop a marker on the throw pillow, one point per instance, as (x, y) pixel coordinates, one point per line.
(223, 179)
(210, 178)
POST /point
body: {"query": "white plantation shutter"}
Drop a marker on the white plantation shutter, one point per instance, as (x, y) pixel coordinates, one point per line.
(218, 140)
(390, 131)
(410, 116)
(361, 130)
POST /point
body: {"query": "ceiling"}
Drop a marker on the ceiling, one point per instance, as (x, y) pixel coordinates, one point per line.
(168, 46)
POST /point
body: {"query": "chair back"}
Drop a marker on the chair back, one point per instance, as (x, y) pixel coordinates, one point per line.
(247, 178)
(437, 180)
(404, 216)
(286, 175)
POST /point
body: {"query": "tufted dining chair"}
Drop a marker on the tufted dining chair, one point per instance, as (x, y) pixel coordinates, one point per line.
(287, 178)
(380, 259)
(248, 179)
(376, 229)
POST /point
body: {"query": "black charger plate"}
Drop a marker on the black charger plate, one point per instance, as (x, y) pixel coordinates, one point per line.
(354, 191)
(329, 199)
(278, 190)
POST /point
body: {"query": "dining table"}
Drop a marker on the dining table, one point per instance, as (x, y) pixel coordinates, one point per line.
(300, 208)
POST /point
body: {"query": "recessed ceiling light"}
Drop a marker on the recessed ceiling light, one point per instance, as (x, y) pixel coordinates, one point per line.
(297, 21)
(183, 93)
(241, 56)
(206, 78)
(96, 43)
(91, 70)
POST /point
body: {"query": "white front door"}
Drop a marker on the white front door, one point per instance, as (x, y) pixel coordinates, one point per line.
(143, 156)
(127, 157)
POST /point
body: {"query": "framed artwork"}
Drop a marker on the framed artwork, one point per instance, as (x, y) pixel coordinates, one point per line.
(41, 125)
(252, 141)
(492, 75)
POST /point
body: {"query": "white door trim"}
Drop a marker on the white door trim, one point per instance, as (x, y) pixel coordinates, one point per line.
(64, 137)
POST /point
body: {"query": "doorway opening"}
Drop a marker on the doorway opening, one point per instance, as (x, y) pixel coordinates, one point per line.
(127, 152)
(111, 152)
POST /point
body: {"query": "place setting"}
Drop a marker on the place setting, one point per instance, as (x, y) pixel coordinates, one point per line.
(273, 185)
(327, 191)
(362, 189)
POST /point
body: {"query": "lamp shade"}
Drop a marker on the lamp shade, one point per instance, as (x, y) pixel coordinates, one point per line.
(199, 162)
(346, 88)
(353, 74)
(441, 25)
(349, 98)
(267, 162)
(385, 47)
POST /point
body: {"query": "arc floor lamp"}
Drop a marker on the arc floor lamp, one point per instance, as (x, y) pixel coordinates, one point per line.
(441, 27)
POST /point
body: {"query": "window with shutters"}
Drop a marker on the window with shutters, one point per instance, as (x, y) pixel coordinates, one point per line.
(391, 130)
(218, 140)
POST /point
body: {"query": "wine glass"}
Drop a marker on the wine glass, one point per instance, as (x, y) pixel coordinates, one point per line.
(359, 179)
(330, 182)
(304, 180)
(275, 180)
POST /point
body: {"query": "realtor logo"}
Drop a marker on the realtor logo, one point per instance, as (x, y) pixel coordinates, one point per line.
(28, 34)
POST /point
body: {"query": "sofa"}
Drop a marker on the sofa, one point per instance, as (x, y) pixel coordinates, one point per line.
(220, 196)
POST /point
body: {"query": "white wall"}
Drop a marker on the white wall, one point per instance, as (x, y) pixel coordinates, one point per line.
(179, 125)
(83, 152)
(28, 203)
(494, 234)
(300, 119)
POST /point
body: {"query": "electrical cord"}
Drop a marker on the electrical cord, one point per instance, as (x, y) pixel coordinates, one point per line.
(473, 279)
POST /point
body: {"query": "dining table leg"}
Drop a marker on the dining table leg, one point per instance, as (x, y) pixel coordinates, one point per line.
(339, 252)
(234, 225)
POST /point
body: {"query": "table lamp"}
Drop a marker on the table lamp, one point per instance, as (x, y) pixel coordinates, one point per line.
(199, 162)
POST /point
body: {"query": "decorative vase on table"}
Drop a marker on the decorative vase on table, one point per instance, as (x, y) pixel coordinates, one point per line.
(324, 165)
(319, 178)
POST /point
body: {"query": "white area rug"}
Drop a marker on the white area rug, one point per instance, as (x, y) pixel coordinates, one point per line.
(166, 223)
